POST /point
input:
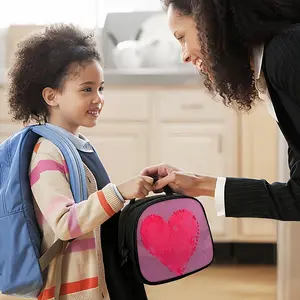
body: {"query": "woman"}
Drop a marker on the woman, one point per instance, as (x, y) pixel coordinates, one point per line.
(244, 48)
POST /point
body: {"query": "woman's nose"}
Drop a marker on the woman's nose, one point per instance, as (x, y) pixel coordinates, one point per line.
(186, 57)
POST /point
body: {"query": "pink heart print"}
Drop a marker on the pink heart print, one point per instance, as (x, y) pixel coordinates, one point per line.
(173, 242)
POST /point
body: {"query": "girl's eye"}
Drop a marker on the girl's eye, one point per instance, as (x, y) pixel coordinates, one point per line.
(101, 89)
(87, 90)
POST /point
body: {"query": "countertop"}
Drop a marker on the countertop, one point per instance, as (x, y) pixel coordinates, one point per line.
(163, 77)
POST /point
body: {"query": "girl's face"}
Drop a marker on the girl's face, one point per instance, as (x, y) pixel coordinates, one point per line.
(185, 31)
(81, 99)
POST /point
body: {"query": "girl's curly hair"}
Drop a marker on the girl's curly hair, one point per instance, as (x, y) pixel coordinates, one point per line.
(228, 30)
(43, 60)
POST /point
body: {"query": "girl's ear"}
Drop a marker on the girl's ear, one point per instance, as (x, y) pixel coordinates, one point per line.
(49, 96)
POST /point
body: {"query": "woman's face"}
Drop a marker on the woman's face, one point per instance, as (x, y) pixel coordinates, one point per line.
(185, 31)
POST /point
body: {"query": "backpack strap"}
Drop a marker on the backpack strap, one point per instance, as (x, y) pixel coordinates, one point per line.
(49, 255)
(72, 157)
(78, 188)
(56, 250)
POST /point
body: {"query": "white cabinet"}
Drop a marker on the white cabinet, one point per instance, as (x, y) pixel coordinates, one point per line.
(187, 105)
(125, 105)
(183, 126)
(122, 148)
(193, 134)
(259, 146)
(197, 148)
(121, 138)
(140, 126)
(7, 129)
(4, 116)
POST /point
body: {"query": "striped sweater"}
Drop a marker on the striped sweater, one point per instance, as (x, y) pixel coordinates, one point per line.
(59, 217)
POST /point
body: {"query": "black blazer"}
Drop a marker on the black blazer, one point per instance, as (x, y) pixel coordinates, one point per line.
(258, 198)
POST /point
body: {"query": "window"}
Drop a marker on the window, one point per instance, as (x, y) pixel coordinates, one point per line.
(80, 12)
(86, 13)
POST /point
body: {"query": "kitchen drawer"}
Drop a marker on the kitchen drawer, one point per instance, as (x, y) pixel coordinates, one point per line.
(188, 105)
(125, 105)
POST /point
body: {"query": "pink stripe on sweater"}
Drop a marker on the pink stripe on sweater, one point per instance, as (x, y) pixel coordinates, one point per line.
(45, 165)
(66, 167)
(74, 228)
(81, 245)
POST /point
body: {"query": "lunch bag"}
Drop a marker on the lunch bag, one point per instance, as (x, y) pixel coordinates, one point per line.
(165, 237)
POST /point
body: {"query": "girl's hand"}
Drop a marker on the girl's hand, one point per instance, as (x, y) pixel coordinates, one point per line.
(137, 187)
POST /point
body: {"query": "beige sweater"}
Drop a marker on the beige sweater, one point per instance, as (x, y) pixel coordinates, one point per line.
(60, 217)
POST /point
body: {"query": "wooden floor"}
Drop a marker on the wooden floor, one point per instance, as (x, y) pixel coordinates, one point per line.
(221, 283)
(217, 283)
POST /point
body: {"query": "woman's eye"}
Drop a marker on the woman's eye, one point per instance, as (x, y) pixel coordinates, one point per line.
(87, 90)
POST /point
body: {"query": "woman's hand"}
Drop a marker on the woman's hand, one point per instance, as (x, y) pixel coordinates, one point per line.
(137, 187)
(180, 181)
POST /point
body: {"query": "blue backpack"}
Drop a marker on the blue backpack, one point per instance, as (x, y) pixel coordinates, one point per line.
(21, 266)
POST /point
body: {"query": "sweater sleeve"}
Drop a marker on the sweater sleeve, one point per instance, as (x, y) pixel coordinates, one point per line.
(51, 190)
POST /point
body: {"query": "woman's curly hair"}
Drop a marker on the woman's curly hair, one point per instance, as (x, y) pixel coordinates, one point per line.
(43, 60)
(228, 30)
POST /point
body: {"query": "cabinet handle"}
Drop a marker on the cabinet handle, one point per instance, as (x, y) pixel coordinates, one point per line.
(192, 106)
(220, 144)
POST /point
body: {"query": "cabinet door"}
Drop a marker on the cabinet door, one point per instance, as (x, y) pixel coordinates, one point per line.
(259, 160)
(197, 148)
(122, 148)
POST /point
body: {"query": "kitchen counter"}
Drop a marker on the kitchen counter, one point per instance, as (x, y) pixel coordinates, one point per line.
(164, 77)
(161, 77)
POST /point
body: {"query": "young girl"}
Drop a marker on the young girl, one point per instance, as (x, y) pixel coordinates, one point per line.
(57, 79)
